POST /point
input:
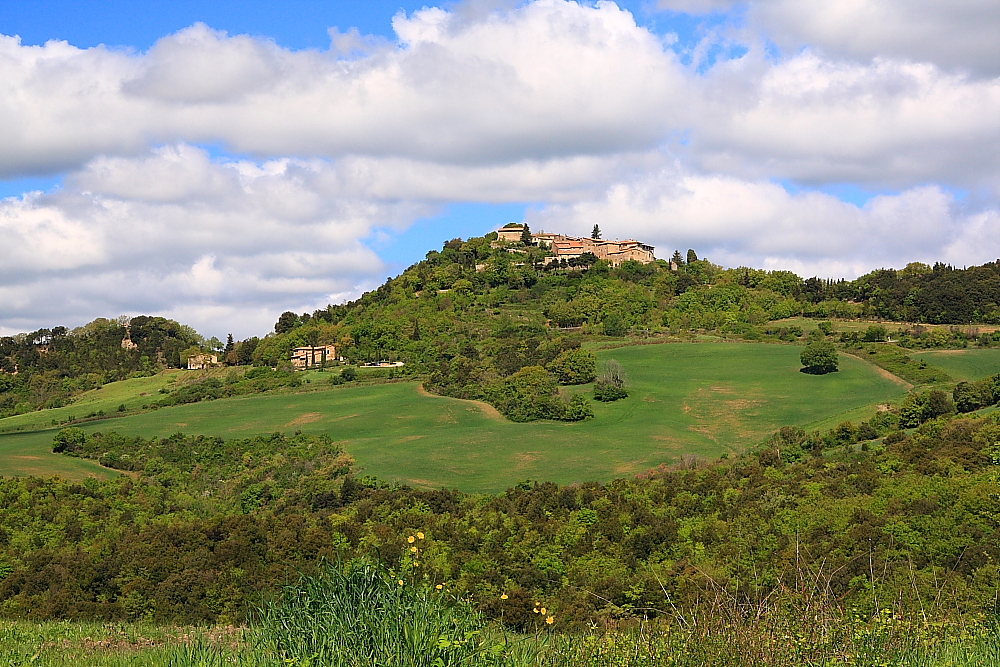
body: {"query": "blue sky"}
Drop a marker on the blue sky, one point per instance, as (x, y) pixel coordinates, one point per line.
(220, 179)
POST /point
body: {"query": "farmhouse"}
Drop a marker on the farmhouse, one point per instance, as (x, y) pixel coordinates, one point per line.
(310, 357)
(197, 362)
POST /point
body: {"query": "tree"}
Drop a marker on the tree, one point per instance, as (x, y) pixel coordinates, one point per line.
(526, 235)
(595, 233)
(230, 345)
(574, 366)
(819, 358)
(677, 260)
(614, 325)
(692, 257)
(286, 322)
(610, 386)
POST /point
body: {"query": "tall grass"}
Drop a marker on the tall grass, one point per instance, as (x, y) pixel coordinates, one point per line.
(359, 615)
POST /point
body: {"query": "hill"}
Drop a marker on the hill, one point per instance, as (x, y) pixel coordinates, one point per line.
(686, 399)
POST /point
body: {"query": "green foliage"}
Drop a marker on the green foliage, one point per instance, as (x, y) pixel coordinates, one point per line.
(820, 357)
(69, 440)
(54, 365)
(924, 406)
(579, 409)
(253, 381)
(530, 393)
(207, 526)
(610, 386)
(970, 396)
(360, 615)
(574, 366)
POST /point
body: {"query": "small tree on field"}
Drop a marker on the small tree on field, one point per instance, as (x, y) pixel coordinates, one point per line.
(610, 385)
(819, 358)
(595, 233)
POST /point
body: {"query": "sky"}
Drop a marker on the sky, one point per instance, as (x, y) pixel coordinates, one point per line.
(219, 163)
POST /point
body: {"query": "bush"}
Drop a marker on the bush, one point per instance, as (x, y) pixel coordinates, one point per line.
(918, 408)
(819, 358)
(69, 441)
(529, 394)
(606, 393)
(574, 367)
(579, 409)
(349, 373)
(610, 386)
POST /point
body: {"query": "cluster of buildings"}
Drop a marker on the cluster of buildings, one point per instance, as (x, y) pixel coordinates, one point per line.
(569, 247)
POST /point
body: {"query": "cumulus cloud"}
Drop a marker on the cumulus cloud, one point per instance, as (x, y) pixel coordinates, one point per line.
(882, 123)
(551, 78)
(759, 223)
(149, 234)
(960, 34)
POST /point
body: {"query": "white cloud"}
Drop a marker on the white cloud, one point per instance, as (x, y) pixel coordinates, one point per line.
(883, 123)
(959, 34)
(758, 223)
(551, 78)
(149, 234)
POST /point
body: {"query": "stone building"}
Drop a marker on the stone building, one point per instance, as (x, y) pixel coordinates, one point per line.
(198, 362)
(313, 357)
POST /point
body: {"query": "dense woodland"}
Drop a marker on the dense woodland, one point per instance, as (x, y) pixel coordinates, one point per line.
(203, 528)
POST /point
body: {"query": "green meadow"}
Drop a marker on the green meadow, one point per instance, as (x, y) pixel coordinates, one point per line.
(704, 399)
(973, 364)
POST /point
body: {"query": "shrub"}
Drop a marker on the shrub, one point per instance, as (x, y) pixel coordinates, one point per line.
(819, 358)
(349, 374)
(579, 409)
(574, 367)
(69, 441)
(610, 386)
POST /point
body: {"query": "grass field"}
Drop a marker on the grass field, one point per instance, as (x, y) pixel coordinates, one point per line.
(703, 399)
(971, 364)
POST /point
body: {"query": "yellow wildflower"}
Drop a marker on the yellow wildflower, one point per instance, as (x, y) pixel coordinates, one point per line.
(413, 549)
(410, 539)
(543, 611)
(416, 564)
(400, 582)
(550, 620)
(535, 610)
(439, 586)
(420, 536)
(503, 597)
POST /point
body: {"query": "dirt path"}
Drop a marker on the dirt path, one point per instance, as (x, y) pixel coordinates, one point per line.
(884, 373)
(487, 409)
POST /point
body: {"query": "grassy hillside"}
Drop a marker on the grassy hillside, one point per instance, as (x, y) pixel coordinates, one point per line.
(704, 399)
(967, 365)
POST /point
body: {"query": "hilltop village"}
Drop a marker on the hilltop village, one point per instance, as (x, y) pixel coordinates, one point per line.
(566, 247)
